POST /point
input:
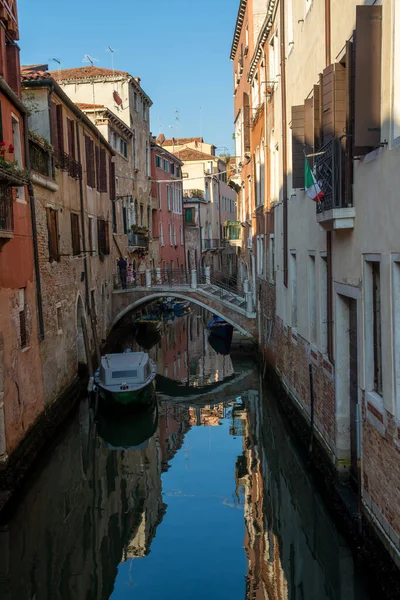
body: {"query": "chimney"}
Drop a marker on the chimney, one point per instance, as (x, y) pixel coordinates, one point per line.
(161, 139)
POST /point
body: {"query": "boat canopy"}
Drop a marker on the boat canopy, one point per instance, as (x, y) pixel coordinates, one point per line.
(121, 368)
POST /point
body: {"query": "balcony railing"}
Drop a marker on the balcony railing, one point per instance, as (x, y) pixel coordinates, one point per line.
(210, 244)
(329, 168)
(74, 168)
(138, 240)
(40, 158)
(6, 210)
(65, 162)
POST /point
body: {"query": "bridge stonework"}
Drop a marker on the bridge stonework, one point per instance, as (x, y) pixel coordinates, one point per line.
(126, 300)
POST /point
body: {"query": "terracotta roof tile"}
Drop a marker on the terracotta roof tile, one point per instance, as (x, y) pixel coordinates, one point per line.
(85, 106)
(86, 73)
(182, 141)
(30, 72)
(188, 154)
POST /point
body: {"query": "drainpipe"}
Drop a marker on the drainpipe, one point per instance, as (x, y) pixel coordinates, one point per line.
(85, 267)
(34, 233)
(284, 144)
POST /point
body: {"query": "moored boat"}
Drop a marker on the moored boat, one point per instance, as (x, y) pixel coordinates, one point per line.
(219, 327)
(149, 322)
(126, 379)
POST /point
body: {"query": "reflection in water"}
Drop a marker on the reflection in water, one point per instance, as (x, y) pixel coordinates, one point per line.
(205, 497)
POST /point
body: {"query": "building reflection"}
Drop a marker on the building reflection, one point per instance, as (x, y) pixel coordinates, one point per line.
(292, 547)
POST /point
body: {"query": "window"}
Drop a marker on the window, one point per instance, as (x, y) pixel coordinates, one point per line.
(377, 326)
(52, 231)
(181, 234)
(170, 234)
(172, 168)
(90, 168)
(102, 237)
(159, 194)
(102, 173)
(135, 101)
(189, 216)
(168, 197)
(165, 165)
(293, 288)
(123, 147)
(23, 332)
(92, 234)
(177, 171)
(158, 161)
(16, 137)
(260, 255)
(396, 332)
(144, 110)
(323, 278)
(113, 138)
(134, 149)
(59, 318)
(161, 235)
(147, 159)
(272, 258)
(174, 235)
(125, 219)
(312, 305)
(247, 36)
(71, 138)
(75, 236)
(141, 215)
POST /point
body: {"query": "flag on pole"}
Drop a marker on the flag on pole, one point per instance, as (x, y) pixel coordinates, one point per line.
(311, 184)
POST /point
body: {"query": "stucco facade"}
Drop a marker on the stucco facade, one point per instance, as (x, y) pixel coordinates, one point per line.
(21, 394)
(74, 227)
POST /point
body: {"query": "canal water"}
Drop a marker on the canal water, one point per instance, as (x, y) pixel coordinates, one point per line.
(203, 496)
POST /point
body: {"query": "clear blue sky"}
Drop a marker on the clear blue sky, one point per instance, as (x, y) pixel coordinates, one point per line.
(179, 48)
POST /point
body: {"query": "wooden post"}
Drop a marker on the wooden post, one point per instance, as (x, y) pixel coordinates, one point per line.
(96, 341)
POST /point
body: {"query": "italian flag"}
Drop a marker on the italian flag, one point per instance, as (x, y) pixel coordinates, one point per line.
(311, 184)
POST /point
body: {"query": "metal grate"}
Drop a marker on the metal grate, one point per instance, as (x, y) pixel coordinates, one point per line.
(6, 209)
(40, 159)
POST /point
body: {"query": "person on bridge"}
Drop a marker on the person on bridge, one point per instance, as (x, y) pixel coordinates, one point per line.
(122, 266)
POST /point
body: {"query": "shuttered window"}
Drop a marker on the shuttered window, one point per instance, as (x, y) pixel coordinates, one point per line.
(102, 236)
(368, 66)
(90, 169)
(76, 242)
(246, 122)
(112, 179)
(298, 146)
(71, 138)
(97, 156)
(103, 171)
(60, 128)
(333, 102)
(52, 232)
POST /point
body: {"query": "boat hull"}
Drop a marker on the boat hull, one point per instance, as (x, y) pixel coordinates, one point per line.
(149, 326)
(128, 399)
(224, 331)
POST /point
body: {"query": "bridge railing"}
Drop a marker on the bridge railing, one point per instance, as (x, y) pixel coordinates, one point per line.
(223, 281)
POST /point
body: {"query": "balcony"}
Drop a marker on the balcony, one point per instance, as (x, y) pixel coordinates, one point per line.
(210, 245)
(6, 214)
(335, 211)
(138, 240)
(233, 233)
(40, 158)
(65, 162)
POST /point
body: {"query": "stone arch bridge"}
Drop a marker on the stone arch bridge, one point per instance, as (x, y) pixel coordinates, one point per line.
(236, 309)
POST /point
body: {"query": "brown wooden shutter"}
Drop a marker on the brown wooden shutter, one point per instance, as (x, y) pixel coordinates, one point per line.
(334, 102)
(52, 231)
(97, 155)
(90, 170)
(60, 127)
(309, 125)
(112, 180)
(76, 244)
(298, 146)
(316, 117)
(71, 138)
(368, 58)
(246, 122)
(254, 169)
(54, 126)
(348, 161)
(103, 170)
(107, 237)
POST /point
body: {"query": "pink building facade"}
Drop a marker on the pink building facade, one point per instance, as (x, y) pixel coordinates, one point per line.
(167, 218)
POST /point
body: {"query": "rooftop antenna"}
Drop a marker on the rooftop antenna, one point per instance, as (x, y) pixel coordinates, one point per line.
(109, 49)
(88, 59)
(58, 61)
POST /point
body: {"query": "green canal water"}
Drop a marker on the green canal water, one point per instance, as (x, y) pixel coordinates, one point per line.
(203, 496)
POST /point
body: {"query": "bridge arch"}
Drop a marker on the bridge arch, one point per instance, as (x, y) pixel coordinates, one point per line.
(189, 298)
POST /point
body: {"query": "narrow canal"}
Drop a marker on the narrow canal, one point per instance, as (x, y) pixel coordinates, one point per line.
(203, 496)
